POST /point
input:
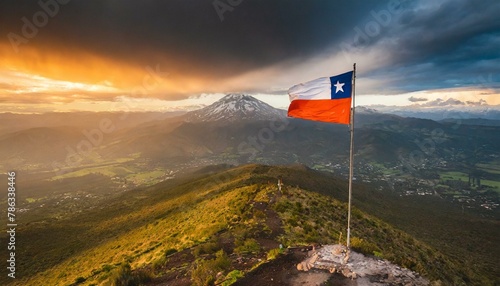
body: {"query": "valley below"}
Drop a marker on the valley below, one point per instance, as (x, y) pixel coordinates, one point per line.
(183, 199)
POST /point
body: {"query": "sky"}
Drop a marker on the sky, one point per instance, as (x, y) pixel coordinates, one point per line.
(98, 55)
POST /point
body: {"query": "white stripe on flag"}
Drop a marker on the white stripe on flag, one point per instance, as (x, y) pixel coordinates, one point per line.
(320, 88)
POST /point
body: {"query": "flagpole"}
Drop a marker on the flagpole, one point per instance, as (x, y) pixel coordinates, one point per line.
(351, 158)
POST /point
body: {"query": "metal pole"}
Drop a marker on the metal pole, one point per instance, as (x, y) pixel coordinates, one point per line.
(351, 159)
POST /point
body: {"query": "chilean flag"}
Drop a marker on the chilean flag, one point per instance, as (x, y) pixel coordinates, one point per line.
(326, 99)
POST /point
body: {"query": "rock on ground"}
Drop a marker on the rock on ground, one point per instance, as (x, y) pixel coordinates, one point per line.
(364, 270)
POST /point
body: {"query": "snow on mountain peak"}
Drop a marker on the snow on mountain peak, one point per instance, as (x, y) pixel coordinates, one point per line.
(237, 96)
(234, 107)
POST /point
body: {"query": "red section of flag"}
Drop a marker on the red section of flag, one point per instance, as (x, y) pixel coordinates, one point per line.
(326, 110)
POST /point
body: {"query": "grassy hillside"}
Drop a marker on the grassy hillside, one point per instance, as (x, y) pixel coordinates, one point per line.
(193, 228)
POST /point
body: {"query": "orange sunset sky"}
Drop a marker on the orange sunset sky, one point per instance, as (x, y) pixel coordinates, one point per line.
(94, 55)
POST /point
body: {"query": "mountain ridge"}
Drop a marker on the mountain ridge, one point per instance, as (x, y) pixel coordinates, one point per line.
(145, 228)
(235, 107)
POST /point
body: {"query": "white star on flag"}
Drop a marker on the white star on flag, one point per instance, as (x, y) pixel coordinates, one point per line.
(339, 86)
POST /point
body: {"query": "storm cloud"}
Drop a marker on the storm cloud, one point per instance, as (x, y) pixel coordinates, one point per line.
(190, 34)
(443, 44)
(417, 99)
(400, 46)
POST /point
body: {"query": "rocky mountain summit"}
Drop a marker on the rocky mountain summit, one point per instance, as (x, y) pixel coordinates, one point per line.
(234, 107)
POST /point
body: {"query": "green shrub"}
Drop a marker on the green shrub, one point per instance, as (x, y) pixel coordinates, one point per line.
(170, 251)
(205, 248)
(206, 270)
(160, 262)
(204, 273)
(298, 206)
(362, 246)
(222, 261)
(274, 253)
(124, 276)
(232, 277)
(260, 215)
(79, 280)
(249, 246)
(292, 221)
(283, 206)
(378, 254)
(106, 267)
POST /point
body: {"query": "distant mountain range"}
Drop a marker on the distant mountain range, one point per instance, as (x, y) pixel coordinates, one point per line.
(242, 129)
(444, 111)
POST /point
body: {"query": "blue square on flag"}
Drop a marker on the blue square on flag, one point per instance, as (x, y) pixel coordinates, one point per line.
(341, 85)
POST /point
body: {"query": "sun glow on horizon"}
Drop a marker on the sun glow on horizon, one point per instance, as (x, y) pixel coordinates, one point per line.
(35, 82)
(24, 83)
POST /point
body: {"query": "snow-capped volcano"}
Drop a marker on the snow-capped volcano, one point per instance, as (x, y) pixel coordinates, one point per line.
(234, 107)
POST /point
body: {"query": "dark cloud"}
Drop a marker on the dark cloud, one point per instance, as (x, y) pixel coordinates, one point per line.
(441, 102)
(190, 34)
(430, 44)
(449, 31)
(477, 103)
(447, 43)
(453, 102)
(417, 99)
